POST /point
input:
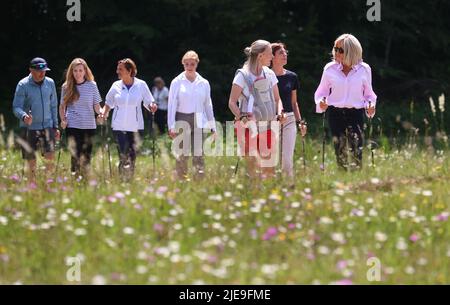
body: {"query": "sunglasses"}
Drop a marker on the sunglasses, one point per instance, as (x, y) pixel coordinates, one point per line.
(39, 66)
(339, 50)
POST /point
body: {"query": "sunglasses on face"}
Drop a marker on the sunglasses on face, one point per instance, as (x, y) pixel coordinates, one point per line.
(339, 50)
(39, 66)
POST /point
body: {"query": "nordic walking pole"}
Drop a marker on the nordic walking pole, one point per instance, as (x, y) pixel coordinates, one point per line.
(237, 166)
(239, 160)
(281, 146)
(102, 135)
(108, 150)
(303, 123)
(59, 152)
(323, 141)
(153, 141)
(26, 141)
(304, 152)
(237, 135)
(370, 136)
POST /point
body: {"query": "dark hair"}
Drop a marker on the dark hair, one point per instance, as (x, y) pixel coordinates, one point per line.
(129, 65)
(277, 46)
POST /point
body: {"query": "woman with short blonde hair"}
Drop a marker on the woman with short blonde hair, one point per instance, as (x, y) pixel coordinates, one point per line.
(190, 105)
(345, 93)
(190, 55)
(352, 50)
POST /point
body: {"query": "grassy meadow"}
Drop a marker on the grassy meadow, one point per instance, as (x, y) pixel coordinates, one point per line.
(324, 228)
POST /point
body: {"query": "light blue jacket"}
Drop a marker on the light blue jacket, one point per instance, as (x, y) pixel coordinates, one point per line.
(40, 99)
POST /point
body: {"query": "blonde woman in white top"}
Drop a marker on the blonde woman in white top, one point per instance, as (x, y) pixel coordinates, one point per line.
(190, 103)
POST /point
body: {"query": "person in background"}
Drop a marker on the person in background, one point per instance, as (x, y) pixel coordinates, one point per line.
(161, 95)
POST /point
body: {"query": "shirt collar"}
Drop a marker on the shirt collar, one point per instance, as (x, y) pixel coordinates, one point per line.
(197, 77)
(125, 86)
(340, 67)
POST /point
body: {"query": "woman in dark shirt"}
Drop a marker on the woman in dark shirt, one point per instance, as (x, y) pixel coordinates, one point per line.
(288, 86)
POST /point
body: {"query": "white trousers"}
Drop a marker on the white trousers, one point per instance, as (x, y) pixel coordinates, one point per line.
(289, 135)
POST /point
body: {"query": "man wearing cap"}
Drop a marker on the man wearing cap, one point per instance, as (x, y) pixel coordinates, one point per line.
(35, 105)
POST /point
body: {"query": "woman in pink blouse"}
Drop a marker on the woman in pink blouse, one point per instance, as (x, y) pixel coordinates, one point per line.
(345, 93)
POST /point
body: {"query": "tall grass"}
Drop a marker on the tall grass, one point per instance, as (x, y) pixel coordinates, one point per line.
(320, 227)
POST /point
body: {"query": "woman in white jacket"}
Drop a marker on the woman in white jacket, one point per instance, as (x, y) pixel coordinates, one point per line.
(190, 108)
(126, 97)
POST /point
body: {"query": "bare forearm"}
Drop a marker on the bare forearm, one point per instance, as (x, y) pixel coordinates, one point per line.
(97, 108)
(295, 106)
(232, 102)
(297, 113)
(279, 107)
(234, 109)
(62, 112)
(106, 110)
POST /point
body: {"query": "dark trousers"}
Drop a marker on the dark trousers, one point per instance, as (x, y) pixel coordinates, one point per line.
(346, 126)
(80, 146)
(126, 145)
(161, 120)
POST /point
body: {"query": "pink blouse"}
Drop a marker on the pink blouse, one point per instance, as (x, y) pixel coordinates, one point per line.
(351, 91)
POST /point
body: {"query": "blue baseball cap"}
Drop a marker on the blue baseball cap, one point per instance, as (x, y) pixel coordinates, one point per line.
(39, 64)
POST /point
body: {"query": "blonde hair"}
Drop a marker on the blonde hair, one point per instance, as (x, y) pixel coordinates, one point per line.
(352, 50)
(71, 93)
(252, 52)
(190, 55)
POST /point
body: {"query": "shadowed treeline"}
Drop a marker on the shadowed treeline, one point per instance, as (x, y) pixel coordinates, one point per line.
(409, 50)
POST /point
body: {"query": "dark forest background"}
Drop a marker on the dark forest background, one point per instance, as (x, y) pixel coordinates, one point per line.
(409, 50)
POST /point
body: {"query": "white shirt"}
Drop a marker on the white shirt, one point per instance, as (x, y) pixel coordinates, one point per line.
(351, 91)
(127, 103)
(191, 97)
(161, 97)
